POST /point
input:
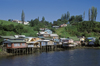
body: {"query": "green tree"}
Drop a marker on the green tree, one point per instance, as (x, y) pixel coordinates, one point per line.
(93, 13)
(97, 42)
(10, 20)
(43, 19)
(62, 17)
(19, 29)
(84, 15)
(89, 14)
(72, 19)
(68, 15)
(1, 40)
(23, 17)
(38, 18)
(65, 16)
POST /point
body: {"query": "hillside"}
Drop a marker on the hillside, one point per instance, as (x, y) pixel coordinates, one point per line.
(64, 34)
(10, 28)
(86, 28)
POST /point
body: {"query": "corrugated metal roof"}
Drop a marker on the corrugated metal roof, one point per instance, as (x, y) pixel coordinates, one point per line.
(91, 38)
(48, 38)
(44, 40)
(7, 36)
(41, 37)
(53, 35)
(16, 41)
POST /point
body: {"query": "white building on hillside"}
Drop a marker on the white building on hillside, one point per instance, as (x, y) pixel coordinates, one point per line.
(17, 21)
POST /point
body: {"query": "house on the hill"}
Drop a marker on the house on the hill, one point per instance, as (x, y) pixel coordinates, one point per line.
(63, 25)
(43, 29)
(56, 27)
(17, 21)
(54, 36)
(45, 33)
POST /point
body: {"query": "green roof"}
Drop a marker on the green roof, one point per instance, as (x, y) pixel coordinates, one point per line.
(48, 38)
(12, 41)
(7, 36)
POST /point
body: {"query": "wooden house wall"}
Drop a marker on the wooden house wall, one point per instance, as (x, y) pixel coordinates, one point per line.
(33, 45)
(46, 35)
(47, 43)
(16, 45)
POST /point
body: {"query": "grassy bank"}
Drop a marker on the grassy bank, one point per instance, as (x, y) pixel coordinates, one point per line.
(5, 29)
(0, 49)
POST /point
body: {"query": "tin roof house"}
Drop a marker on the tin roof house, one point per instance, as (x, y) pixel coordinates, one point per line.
(63, 25)
(43, 29)
(45, 33)
(46, 42)
(33, 41)
(7, 37)
(91, 40)
(11, 38)
(15, 44)
(56, 27)
(67, 42)
(54, 36)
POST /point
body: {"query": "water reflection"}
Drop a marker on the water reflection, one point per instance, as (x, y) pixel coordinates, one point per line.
(74, 57)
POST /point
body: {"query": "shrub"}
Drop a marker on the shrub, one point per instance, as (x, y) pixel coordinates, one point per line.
(97, 42)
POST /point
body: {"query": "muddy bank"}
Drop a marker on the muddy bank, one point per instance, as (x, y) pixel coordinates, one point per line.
(3, 53)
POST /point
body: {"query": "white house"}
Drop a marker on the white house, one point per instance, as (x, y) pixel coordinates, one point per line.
(54, 36)
(17, 21)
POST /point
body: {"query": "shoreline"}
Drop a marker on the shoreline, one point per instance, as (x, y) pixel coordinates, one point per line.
(3, 53)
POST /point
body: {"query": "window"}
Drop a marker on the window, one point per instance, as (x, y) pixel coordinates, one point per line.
(15, 44)
(23, 44)
(9, 45)
(18, 44)
(43, 43)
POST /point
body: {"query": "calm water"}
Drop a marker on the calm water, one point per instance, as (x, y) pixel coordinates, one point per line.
(76, 57)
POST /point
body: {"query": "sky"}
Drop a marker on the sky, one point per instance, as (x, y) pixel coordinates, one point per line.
(50, 9)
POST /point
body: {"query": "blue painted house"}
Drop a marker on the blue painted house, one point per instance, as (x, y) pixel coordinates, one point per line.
(46, 42)
(45, 33)
(91, 40)
(48, 31)
(56, 41)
